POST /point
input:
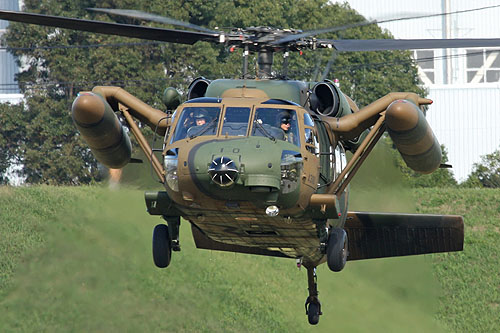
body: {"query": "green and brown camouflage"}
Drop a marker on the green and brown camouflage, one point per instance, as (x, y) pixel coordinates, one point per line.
(299, 177)
(225, 175)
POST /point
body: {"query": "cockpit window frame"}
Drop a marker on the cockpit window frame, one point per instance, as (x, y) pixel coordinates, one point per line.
(290, 108)
(180, 116)
(299, 111)
(310, 129)
(220, 132)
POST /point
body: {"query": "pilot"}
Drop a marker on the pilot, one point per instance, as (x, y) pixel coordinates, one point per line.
(285, 124)
(200, 121)
(200, 118)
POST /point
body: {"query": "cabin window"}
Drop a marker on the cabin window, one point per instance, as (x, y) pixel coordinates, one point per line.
(280, 124)
(169, 129)
(236, 121)
(196, 121)
(312, 144)
(308, 120)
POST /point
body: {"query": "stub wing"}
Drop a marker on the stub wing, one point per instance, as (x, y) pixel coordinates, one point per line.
(380, 235)
(375, 235)
(204, 242)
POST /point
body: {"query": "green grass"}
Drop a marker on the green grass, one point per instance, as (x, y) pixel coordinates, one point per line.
(79, 259)
(470, 280)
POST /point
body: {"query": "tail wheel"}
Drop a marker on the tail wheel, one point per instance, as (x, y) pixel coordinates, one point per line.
(336, 251)
(313, 313)
(162, 250)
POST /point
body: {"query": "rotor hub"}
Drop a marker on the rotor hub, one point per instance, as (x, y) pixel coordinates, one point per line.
(223, 171)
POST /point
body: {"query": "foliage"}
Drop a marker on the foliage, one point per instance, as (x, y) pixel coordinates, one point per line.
(486, 173)
(11, 137)
(442, 177)
(40, 136)
(52, 76)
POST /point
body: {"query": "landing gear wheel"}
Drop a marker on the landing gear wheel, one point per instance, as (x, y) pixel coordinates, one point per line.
(336, 250)
(313, 313)
(162, 250)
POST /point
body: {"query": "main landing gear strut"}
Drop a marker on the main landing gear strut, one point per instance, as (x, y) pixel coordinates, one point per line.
(336, 253)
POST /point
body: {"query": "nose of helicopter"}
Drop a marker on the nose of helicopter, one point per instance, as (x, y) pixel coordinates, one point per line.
(253, 170)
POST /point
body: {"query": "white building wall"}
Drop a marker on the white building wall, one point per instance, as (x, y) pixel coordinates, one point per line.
(466, 119)
(464, 116)
(9, 90)
(11, 98)
(475, 24)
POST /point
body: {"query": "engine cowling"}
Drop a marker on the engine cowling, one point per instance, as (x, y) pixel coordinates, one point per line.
(327, 100)
(198, 88)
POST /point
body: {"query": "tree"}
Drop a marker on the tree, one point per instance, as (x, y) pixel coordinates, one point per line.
(53, 152)
(11, 137)
(486, 173)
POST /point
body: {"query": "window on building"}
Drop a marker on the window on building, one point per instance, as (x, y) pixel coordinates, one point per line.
(425, 61)
(483, 65)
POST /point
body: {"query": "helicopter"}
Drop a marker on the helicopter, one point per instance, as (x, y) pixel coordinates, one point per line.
(258, 165)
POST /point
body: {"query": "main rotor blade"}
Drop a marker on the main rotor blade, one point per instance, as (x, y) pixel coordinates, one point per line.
(136, 14)
(311, 33)
(408, 44)
(108, 28)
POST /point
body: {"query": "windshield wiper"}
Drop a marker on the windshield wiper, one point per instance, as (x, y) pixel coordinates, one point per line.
(210, 124)
(263, 130)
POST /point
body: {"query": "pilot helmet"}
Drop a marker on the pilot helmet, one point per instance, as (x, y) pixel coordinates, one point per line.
(201, 114)
(284, 118)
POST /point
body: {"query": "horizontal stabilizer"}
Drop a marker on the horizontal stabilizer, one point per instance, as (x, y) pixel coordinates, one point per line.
(380, 235)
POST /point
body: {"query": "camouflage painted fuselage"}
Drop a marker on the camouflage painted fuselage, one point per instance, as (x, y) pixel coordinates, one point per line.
(272, 172)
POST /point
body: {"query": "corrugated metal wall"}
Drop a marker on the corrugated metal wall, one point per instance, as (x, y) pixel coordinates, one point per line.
(8, 5)
(8, 67)
(388, 9)
(464, 117)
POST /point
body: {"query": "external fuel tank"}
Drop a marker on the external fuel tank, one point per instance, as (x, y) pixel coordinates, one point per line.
(413, 136)
(99, 126)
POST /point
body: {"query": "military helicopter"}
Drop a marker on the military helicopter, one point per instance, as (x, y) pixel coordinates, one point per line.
(258, 165)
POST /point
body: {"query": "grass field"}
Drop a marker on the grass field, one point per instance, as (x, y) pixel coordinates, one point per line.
(469, 280)
(79, 259)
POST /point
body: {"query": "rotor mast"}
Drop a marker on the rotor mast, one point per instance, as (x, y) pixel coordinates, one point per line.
(265, 63)
(264, 41)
